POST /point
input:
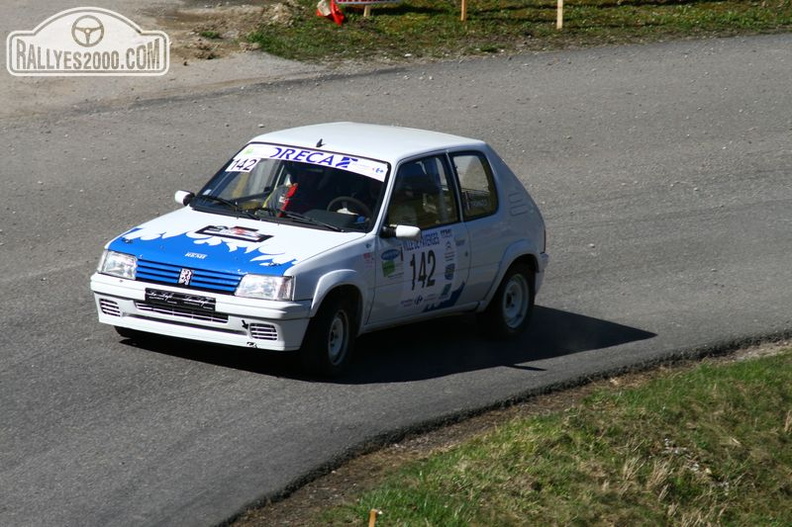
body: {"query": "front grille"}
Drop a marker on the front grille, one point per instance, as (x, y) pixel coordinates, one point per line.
(164, 273)
(182, 312)
(263, 332)
(109, 307)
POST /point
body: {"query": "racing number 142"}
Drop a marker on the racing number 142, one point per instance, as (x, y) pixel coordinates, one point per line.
(423, 271)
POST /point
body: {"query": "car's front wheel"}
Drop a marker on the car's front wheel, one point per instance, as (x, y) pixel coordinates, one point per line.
(329, 341)
(509, 311)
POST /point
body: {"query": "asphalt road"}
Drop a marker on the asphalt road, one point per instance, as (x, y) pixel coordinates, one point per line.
(665, 175)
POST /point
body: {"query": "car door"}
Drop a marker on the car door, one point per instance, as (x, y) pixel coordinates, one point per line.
(418, 278)
(489, 236)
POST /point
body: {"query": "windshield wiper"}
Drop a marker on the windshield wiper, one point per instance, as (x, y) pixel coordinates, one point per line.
(271, 211)
(279, 213)
(230, 204)
(308, 219)
(274, 212)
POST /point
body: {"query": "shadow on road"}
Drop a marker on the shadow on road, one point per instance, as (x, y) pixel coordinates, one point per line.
(429, 349)
(454, 345)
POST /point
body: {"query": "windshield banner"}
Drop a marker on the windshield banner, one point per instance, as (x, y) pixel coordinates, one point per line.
(247, 159)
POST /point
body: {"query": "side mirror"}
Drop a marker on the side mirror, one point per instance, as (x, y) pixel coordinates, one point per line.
(182, 197)
(401, 232)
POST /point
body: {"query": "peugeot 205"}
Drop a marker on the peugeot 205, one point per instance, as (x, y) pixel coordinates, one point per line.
(311, 236)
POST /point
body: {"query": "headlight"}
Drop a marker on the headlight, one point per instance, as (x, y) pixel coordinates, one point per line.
(266, 287)
(118, 264)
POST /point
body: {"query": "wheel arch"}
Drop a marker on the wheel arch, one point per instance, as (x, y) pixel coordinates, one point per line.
(513, 256)
(346, 283)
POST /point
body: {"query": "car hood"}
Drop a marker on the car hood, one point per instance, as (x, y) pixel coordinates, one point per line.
(197, 240)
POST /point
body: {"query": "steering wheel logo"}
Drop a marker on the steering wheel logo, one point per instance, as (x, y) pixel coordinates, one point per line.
(87, 31)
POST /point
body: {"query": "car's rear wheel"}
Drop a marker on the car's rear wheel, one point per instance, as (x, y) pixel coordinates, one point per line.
(329, 341)
(509, 312)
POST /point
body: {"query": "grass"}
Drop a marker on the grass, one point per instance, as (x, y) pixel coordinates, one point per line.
(432, 28)
(210, 34)
(711, 445)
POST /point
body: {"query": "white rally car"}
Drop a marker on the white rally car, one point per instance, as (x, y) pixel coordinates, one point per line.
(311, 236)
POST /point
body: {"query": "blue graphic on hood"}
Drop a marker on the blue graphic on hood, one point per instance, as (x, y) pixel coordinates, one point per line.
(218, 255)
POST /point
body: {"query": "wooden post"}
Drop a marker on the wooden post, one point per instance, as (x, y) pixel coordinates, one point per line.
(463, 16)
(367, 10)
(560, 15)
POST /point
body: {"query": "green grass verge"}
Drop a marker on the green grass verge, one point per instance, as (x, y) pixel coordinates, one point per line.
(433, 29)
(710, 445)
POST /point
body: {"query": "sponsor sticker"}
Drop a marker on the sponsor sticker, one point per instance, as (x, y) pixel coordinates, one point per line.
(237, 233)
(249, 156)
(168, 298)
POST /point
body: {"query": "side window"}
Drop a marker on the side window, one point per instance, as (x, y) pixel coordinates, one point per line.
(476, 185)
(422, 195)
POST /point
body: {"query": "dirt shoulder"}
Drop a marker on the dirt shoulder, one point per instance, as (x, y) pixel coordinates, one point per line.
(208, 53)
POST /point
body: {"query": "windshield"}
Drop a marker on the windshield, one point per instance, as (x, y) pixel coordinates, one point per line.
(314, 188)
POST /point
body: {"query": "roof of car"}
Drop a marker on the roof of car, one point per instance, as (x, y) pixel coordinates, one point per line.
(384, 142)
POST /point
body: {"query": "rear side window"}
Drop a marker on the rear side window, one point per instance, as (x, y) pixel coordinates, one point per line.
(422, 195)
(476, 185)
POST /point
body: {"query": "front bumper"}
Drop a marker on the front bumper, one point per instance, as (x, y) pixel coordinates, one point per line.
(234, 321)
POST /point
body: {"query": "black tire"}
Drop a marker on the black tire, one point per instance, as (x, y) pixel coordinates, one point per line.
(330, 338)
(509, 312)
